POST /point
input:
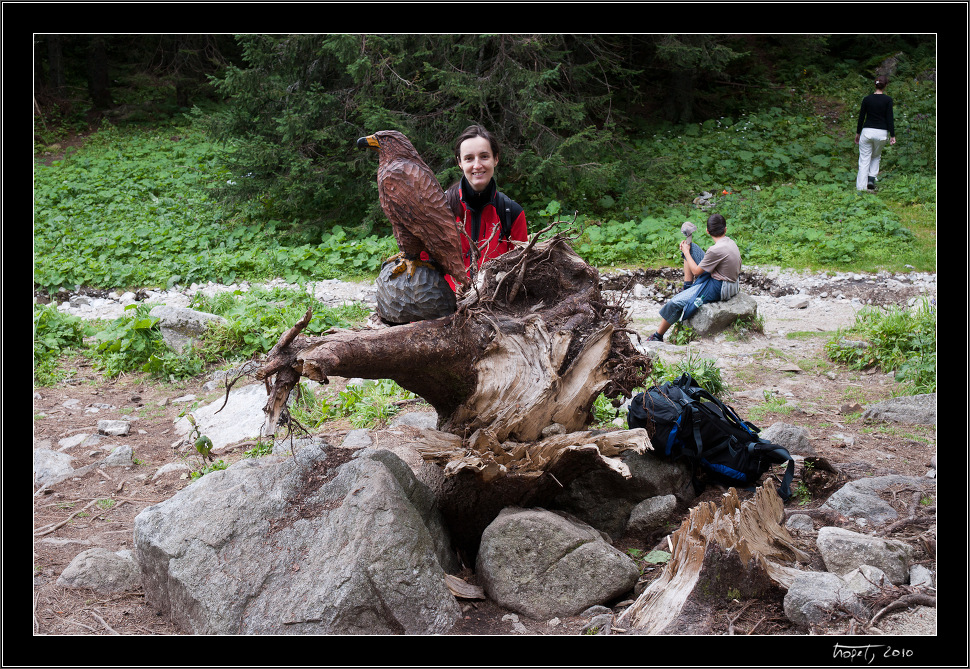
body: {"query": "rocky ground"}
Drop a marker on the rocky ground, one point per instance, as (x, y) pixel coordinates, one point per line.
(98, 508)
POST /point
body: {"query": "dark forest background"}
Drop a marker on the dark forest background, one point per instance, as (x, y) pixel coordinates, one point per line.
(575, 114)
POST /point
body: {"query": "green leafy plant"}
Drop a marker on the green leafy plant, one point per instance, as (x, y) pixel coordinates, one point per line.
(127, 343)
(800, 490)
(893, 339)
(681, 334)
(603, 410)
(55, 333)
(259, 450)
(257, 317)
(216, 466)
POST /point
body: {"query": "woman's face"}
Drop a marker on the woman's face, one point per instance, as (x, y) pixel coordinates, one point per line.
(477, 162)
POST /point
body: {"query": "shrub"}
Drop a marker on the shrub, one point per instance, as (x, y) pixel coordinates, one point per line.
(55, 333)
(893, 339)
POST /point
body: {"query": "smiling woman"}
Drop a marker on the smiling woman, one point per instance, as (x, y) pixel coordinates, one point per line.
(488, 216)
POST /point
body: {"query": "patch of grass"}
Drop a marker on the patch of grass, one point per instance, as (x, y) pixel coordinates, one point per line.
(259, 450)
(703, 370)
(773, 404)
(216, 466)
(806, 334)
(892, 339)
(742, 328)
(814, 365)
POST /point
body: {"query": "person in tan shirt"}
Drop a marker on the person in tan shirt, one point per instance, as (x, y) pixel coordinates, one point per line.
(713, 278)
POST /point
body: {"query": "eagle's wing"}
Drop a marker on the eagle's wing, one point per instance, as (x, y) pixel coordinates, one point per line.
(420, 217)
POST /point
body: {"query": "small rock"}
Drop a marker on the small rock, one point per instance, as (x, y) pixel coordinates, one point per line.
(799, 522)
(171, 467)
(866, 580)
(114, 428)
(600, 624)
(49, 465)
(921, 577)
(122, 456)
(102, 570)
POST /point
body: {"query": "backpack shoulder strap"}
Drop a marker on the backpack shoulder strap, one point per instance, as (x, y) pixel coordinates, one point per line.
(508, 210)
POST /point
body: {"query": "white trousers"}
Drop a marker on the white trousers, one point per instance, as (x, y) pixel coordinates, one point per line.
(871, 142)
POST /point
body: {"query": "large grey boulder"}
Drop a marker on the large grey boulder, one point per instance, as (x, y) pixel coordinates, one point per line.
(226, 421)
(860, 498)
(909, 409)
(181, 327)
(318, 543)
(544, 564)
(714, 317)
(844, 551)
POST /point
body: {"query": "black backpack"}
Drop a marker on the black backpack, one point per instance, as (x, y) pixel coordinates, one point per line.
(685, 421)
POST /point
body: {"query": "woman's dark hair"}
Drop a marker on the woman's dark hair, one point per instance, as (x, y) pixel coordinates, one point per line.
(476, 131)
(716, 225)
(452, 195)
(882, 81)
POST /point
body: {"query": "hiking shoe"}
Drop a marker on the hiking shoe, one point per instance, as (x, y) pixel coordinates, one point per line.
(655, 337)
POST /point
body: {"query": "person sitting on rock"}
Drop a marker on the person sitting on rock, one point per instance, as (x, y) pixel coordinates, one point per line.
(708, 277)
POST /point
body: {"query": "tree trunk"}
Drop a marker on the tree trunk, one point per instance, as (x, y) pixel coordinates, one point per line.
(97, 67)
(525, 355)
(55, 63)
(532, 346)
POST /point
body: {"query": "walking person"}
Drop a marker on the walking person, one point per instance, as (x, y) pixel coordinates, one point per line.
(874, 129)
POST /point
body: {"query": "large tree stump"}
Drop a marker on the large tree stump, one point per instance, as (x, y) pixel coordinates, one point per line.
(529, 349)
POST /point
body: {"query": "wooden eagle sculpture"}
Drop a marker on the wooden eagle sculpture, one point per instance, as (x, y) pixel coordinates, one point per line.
(415, 204)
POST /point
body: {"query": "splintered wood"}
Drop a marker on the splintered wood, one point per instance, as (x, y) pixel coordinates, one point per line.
(750, 535)
(488, 458)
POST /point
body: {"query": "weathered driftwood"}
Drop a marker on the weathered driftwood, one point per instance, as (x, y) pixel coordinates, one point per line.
(739, 547)
(531, 345)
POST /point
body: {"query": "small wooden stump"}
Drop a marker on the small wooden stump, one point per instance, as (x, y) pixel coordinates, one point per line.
(739, 547)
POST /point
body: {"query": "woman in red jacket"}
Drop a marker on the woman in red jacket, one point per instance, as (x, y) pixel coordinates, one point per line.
(489, 216)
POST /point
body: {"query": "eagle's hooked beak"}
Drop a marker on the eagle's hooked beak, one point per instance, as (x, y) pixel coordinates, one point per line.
(369, 142)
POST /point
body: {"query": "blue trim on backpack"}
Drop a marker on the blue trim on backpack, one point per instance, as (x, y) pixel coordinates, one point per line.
(724, 470)
(672, 437)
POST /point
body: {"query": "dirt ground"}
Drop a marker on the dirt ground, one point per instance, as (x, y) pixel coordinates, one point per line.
(98, 508)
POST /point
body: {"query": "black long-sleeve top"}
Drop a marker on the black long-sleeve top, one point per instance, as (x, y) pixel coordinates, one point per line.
(876, 112)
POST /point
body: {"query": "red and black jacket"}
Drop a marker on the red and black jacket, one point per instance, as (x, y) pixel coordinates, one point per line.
(492, 219)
